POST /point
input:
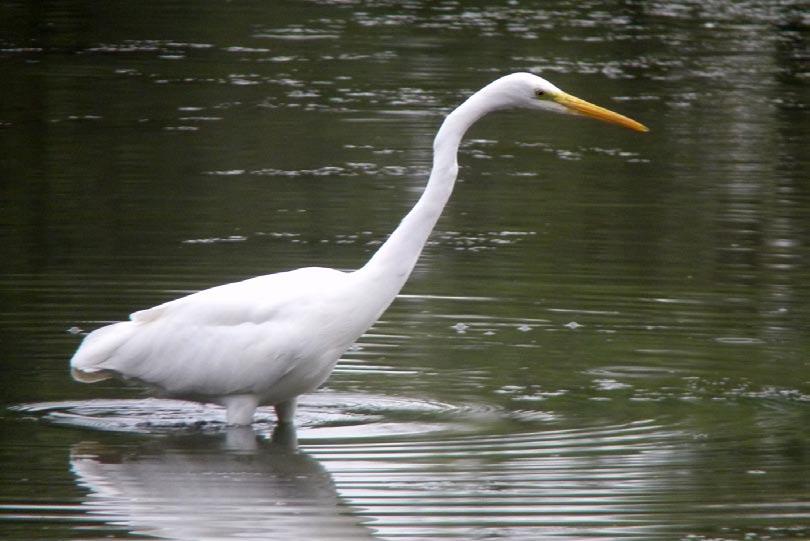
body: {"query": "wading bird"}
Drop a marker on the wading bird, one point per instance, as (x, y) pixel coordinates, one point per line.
(269, 339)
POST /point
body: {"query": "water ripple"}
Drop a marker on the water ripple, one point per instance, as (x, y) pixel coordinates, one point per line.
(320, 415)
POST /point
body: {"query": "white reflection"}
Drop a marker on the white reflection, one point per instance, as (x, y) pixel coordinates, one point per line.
(200, 487)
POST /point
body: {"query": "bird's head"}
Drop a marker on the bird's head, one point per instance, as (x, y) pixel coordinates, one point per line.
(528, 91)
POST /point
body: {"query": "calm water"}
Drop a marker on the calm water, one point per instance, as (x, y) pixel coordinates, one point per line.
(608, 336)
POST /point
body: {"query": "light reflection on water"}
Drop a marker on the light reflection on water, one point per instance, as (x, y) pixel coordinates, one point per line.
(606, 336)
(246, 489)
(347, 475)
(350, 479)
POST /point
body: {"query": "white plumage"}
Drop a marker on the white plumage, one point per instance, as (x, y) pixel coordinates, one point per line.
(268, 339)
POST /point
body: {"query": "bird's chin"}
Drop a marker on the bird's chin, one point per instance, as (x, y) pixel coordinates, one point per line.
(551, 107)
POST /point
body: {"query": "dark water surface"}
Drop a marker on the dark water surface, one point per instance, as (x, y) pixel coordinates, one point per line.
(608, 336)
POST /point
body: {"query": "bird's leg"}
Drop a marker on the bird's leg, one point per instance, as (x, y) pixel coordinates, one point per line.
(285, 411)
(284, 435)
(240, 408)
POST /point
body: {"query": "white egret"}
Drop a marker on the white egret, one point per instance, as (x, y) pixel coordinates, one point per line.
(269, 339)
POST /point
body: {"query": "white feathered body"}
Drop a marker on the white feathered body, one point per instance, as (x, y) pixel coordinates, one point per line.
(273, 337)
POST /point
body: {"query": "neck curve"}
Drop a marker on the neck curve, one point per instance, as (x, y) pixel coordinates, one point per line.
(393, 262)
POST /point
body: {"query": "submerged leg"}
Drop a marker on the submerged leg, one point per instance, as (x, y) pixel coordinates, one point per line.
(285, 411)
(285, 436)
(240, 408)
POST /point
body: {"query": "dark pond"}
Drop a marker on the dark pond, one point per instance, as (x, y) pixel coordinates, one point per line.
(607, 337)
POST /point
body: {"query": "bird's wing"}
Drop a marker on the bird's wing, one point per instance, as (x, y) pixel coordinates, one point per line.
(217, 341)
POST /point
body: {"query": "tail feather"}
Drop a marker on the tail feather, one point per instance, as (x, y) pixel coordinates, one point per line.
(91, 377)
(98, 347)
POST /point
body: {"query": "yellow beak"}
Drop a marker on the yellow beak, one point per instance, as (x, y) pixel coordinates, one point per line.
(599, 113)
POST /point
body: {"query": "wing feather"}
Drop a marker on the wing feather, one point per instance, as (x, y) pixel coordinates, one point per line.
(215, 341)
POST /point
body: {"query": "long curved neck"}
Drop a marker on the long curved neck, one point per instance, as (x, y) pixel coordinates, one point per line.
(396, 258)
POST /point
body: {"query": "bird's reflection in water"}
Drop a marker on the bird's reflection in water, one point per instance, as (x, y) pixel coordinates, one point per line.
(214, 486)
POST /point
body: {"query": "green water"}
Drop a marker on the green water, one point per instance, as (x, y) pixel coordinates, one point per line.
(607, 337)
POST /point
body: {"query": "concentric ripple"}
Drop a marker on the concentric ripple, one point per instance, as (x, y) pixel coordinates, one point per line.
(321, 415)
(365, 466)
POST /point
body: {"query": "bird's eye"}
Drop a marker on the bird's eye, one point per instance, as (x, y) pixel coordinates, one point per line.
(539, 93)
